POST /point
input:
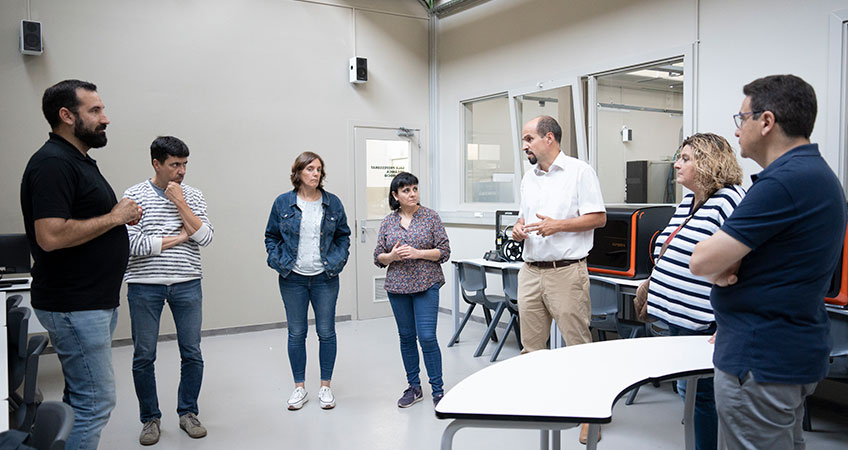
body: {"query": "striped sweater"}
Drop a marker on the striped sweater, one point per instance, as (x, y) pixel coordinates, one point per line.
(676, 296)
(148, 263)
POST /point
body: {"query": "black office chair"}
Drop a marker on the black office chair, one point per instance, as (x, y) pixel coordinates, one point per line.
(53, 425)
(472, 286)
(604, 296)
(509, 276)
(838, 370)
(23, 356)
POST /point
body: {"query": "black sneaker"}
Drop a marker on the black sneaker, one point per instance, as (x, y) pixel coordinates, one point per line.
(411, 396)
(437, 398)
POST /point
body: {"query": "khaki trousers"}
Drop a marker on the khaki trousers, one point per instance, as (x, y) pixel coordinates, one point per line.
(561, 294)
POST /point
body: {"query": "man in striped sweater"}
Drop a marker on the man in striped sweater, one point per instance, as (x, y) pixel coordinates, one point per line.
(164, 265)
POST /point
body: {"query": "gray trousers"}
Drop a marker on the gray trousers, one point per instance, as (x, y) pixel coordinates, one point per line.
(754, 415)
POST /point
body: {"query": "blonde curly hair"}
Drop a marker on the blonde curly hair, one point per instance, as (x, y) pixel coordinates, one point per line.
(715, 162)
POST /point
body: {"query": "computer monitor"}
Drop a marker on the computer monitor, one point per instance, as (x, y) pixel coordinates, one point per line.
(14, 254)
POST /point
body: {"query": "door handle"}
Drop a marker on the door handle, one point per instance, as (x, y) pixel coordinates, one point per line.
(363, 225)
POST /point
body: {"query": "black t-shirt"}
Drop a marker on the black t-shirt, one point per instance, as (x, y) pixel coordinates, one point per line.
(59, 181)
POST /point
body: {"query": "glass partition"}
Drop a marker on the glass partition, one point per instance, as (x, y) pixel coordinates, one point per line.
(556, 103)
(384, 159)
(639, 126)
(488, 157)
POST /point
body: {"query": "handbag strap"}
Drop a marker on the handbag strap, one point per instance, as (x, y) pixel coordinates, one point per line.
(680, 227)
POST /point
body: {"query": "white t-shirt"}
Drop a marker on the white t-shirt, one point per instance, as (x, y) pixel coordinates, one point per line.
(308, 262)
(567, 190)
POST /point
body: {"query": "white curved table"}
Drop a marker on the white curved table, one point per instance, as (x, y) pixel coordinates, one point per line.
(585, 381)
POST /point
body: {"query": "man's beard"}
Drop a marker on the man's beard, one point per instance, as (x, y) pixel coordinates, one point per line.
(91, 138)
(532, 158)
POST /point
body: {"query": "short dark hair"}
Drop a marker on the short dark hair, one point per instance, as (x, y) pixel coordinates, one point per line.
(548, 124)
(399, 182)
(791, 100)
(63, 95)
(304, 159)
(165, 146)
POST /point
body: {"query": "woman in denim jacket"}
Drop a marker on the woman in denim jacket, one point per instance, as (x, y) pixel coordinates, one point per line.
(308, 241)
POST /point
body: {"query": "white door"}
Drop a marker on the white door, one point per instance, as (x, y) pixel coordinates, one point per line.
(380, 154)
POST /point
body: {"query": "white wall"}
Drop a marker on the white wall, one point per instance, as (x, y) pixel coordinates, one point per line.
(248, 85)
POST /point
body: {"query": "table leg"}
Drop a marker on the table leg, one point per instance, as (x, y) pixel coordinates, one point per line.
(689, 412)
(456, 288)
(447, 435)
(592, 439)
(544, 443)
(556, 442)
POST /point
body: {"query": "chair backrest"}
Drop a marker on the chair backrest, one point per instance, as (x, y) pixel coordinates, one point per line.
(472, 277)
(13, 301)
(604, 296)
(17, 327)
(53, 423)
(510, 282)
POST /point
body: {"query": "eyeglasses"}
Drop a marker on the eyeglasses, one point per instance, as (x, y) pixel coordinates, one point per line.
(739, 118)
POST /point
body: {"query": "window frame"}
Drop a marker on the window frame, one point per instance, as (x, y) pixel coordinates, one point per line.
(837, 88)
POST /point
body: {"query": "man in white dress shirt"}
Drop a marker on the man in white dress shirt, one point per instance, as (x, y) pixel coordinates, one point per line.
(561, 205)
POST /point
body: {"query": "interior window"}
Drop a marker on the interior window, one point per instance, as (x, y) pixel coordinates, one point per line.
(639, 127)
(488, 153)
(556, 103)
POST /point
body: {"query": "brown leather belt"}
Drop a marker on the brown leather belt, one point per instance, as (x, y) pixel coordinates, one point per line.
(554, 264)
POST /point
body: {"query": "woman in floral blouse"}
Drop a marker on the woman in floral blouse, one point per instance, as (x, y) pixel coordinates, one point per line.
(413, 244)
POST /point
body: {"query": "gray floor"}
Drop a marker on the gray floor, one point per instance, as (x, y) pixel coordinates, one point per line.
(247, 381)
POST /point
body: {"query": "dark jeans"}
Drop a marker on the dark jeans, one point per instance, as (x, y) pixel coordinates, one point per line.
(322, 291)
(416, 316)
(706, 418)
(146, 303)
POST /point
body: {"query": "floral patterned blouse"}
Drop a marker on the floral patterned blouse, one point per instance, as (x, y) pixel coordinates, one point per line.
(425, 232)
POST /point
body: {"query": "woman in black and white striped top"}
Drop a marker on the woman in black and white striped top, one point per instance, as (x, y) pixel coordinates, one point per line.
(707, 166)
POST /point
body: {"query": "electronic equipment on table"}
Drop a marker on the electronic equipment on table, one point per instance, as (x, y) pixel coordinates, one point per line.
(506, 249)
(14, 255)
(837, 294)
(624, 247)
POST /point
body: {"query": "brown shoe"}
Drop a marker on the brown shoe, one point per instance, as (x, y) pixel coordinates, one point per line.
(584, 433)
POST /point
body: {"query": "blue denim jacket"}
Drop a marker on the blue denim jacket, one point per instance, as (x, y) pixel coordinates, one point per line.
(283, 232)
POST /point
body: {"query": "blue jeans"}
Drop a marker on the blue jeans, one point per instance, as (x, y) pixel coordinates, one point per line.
(322, 291)
(146, 302)
(706, 418)
(416, 315)
(83, 342)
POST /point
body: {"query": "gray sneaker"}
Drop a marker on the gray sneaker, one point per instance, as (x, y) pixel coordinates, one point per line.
(411, 396)
(192, 426)
(149, 433)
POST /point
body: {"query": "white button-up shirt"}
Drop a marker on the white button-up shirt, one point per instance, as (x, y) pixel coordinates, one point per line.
(567, 190)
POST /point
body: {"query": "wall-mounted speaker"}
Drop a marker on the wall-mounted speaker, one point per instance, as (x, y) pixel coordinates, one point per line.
(31, 43)
(358, 70)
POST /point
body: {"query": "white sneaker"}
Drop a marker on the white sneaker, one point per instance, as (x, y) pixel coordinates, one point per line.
(297, 399)
(325, 398)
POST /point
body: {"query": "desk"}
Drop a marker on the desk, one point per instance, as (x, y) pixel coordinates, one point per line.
(628, 287)
(492, 397)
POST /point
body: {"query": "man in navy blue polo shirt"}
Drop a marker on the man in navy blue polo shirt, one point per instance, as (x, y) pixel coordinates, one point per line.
(771, 263)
